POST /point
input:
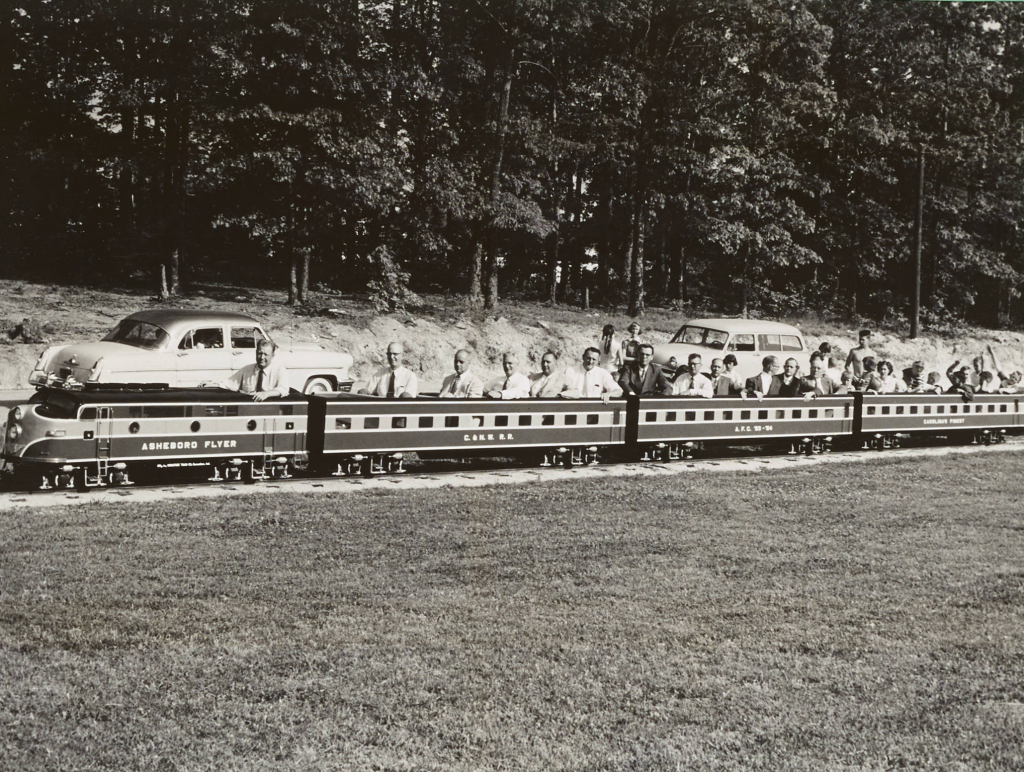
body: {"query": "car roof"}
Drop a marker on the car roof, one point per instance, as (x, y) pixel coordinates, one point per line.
(175, 320)
(746, 325)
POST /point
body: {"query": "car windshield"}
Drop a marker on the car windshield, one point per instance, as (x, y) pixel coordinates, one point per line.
(133, 332)
(701, 336)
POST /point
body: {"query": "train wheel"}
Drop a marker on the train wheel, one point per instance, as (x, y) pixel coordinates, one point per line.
(81, 480)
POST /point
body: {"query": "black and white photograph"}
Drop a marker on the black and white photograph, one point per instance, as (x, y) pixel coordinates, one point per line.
(522, 385)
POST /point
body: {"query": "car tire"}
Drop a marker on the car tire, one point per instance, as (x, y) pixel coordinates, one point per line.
(317, 386)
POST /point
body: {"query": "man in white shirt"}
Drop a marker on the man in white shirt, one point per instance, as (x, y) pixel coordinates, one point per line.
(462, 384)
(590, 381)
(761, 384)
(693, 383)
(514, 385)
(548, 382)
(394, 380)
(264, 379)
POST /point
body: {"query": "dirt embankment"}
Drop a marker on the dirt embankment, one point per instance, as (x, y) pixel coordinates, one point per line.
(430, 335)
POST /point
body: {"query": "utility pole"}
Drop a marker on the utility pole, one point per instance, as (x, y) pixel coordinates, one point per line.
(915, 314)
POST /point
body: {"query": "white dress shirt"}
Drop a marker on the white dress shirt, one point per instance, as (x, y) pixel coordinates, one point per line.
(515, 386)
(275, 378)
(591, 383)
(698, 385)
(405, 382)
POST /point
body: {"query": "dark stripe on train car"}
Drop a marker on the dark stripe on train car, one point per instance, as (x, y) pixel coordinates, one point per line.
(938, 413)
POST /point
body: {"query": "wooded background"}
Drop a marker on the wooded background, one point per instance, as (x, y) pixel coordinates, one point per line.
(743, 156)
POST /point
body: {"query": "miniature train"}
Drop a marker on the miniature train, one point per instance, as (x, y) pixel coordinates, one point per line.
(106, 436)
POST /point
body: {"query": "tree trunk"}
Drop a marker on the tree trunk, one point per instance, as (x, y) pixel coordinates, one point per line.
(491, 256)
(636, 272)
(304, 283)
(164, 294)
(476, 298)
(293, 279)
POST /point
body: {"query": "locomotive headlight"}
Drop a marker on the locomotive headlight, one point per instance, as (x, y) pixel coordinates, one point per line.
(16, 414)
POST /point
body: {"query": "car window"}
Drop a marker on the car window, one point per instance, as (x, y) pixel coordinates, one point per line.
(133, 332)
(742, 341)
(246, 337)
(203, 338)
(769, 343)
(792, 343)
(701, 336)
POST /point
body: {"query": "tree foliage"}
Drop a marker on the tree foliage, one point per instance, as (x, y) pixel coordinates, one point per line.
(756, 156)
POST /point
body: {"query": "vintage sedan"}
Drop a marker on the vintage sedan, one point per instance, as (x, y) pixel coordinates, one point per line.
(750, 340)
(185, 348)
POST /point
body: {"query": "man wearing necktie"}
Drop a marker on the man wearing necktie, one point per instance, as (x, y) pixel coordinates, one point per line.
(462, 383)
(264, 379)
(514, 385)
(393, 380)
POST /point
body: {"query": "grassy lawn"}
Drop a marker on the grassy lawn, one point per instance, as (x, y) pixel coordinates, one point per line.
(713, 622)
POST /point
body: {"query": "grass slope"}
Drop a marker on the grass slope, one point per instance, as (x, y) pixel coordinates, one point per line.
(743, 622)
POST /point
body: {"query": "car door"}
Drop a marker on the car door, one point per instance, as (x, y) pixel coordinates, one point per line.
(244, 338)
(748, 359)
(202, 356)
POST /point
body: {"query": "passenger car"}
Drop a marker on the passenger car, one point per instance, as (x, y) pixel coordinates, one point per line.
(184, 348)
(749, 339)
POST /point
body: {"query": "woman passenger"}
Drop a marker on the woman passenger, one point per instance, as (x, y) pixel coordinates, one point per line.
(736, 382)
(888, 383)
(631, 344)
(611, 351)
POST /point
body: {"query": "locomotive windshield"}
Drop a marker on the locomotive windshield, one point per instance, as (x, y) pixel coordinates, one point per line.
(701, 336)
(133, 332)
(55, 404)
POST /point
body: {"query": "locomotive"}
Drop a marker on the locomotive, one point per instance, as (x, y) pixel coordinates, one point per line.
(106, 436)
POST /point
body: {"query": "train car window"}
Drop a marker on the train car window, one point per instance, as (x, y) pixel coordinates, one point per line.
(670, 416)
(89, 414)
(196, 426)
(398, 422)
(991, 408)
(913, 410)
(791, 343)
(547, 420)
(812, 413)
(570, 420)
(979, 408)
(371, 422)
(709, 415)
(426, 422)
(163, 411)
(952, 408)
(744, 415)
(339, 423)
(830, 412)
(927, 409)
(287, 409)
(501, 420)
(726, 415)
(769, 343)
(214, 410)
(593, 419)
(762, 415)
(780, 414)
(940, 408)
(690, 415)
(871, 410)
(451, 421)
(1002, 408)
(478, 421)
(134, 427)
(251, 426)
(885, 409)
(652, 417)
(899, 410)
(798, 414)
(232, 410)
(526, 420)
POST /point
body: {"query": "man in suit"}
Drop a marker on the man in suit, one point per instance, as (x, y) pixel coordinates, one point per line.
(644, 378)
(548, 382)
(462, 384)
(817, 384)
(720, 384)
(761, 384)
(394, 380)
(514, 385)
